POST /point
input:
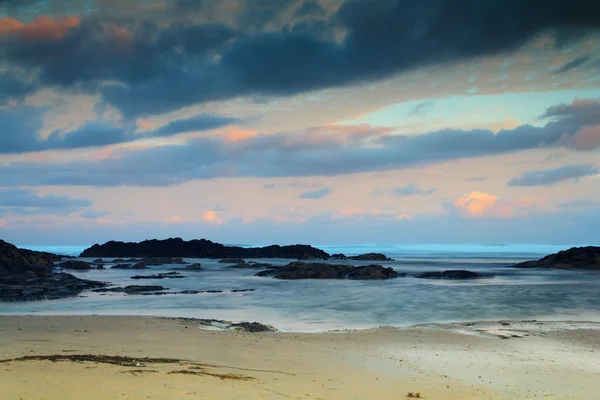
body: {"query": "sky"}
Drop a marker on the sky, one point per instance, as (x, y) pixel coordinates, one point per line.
(300, 121)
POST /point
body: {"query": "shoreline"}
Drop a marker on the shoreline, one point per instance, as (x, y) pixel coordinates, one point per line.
(556, 360)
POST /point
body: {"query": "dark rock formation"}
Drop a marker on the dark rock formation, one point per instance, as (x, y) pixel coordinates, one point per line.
(98, 261)
(193, 267)
(199, 249)
(370, 257)
(251, 266)
(28, 275)
(128, 266)
(587, 258)
(75, 265)
(131, 289)
(301, 270)
(372, 272)
(338, 257)
(450, 274)
(167, 275)
(232, 261)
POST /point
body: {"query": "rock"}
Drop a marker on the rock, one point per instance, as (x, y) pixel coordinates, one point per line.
(450, 274)
(586, 258)
(122, 266)
(193, 267)
(372, 272)
(26, 275)
(370, 257)
(199, 249)
(75, 265)
(253, 327)
(301, 270)
(251, 266)
(98, 261)
(132, 289)
(232, 261)
(168, 275)
(338, 257)
(100, 267)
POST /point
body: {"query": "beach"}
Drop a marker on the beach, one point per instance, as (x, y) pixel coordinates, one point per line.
(487, 360)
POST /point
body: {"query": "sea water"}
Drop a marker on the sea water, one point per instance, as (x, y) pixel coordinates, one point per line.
(318, 305)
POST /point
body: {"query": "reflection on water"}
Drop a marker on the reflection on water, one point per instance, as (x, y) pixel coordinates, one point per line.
(310, 305)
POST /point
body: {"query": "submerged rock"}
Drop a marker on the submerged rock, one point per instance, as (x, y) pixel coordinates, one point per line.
(450, 274)
(193, 267)
(372, 272)
(131, 289)
(167, 275)
(587, 258)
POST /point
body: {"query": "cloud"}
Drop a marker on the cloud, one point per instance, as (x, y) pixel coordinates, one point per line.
(42, 28)
(316, 194)
(212, 217)
(484, 205)
(323, 151)
(572, 172)
(574, 64)
(476, 179)
(20, 127)
(13, 88)
(310, 8)
(28, 202)
(94, 214)
(144, 68)
(422, 109)
(411, 190)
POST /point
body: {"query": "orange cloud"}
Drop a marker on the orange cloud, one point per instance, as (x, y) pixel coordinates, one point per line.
(41, 28)
(404, 216)
(234, 134)
(479, 205)
(211, 217)
(144, 124)
(3, 223)
(176, 219)
(121, 36)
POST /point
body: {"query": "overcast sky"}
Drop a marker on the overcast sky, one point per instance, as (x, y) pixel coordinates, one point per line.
(300, 121)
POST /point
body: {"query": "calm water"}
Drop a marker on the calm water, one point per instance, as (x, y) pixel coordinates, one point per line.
(313, 305)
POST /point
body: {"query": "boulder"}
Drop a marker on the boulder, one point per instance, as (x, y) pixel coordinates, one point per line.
(450, 274)
(132, 289)
(253, 327)
(338, 257)
(75, 265)
(585, 258)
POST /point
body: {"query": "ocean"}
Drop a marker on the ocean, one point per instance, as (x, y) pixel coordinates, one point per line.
(320, 305)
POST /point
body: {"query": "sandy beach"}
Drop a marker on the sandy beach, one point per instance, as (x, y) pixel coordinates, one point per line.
(499, 360)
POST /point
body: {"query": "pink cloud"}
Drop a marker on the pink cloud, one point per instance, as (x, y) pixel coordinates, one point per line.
(211, 217)
(484, 205)
(3, 223)
(404, 216)
(41, 28)
(144, 124)
(586, 138)
(121, 36)
(176, 219)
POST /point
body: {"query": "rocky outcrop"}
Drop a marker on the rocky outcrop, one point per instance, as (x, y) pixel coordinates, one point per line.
(251, 266)
(586, 258)
(450, 274)
(301, 270)
(253, 327)
(27, 275)
(75, 265)
(199, 249)
(370, 257)
(192, 267)
(167, 275)
(131, 289)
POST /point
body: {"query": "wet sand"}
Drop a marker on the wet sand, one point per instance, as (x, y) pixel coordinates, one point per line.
(491, 360)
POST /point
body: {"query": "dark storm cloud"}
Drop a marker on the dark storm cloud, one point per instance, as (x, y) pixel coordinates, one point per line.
(297, 154)
(27, 202)
(167, 67)
(571, 65)
(315, 194)
(14, 89)
(572, 172)
(20, 127)
(412, 190)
